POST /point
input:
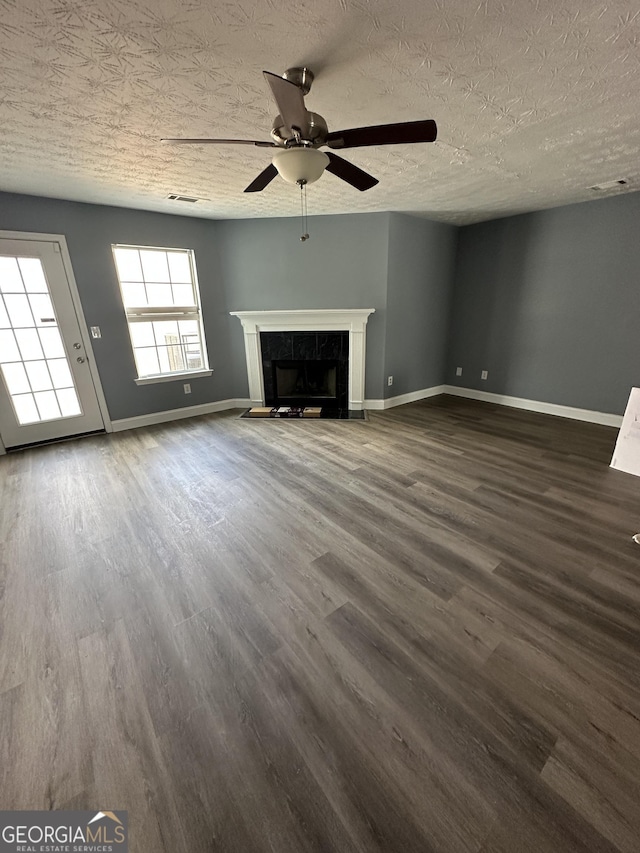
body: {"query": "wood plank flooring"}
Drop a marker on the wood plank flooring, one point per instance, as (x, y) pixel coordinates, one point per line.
(415, 633)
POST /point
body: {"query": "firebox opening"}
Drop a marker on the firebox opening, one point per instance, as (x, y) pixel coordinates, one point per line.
(298, 381)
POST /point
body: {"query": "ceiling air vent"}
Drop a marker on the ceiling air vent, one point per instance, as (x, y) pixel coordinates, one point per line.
(175, 197)
(609, 185)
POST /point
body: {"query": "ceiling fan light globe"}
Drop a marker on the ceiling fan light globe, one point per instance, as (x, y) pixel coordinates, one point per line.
(300, 164)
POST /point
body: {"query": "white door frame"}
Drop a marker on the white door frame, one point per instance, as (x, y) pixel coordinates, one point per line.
(77, 304)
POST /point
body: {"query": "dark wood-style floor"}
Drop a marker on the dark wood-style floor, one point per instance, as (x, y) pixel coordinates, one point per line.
(416, 633)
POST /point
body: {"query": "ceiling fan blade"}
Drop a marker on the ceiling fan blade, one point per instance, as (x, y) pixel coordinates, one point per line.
(351, 174)
(384, 134)
(290, 101)
(263, 179)
(259, 143)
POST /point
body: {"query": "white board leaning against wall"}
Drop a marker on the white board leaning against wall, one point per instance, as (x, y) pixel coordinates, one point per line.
(626, 456)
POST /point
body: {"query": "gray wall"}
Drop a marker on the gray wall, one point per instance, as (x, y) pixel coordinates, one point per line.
(90, 231)
(422, 258)
(242, 265)
(549, 304)
(343, 265)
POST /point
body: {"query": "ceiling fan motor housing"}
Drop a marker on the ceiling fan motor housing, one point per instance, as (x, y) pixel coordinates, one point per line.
(315, 133)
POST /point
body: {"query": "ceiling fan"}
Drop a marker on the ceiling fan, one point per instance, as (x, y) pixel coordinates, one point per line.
(298, 134)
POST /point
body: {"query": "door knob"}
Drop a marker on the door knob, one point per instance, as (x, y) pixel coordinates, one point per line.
(77, 346)
(80, 359)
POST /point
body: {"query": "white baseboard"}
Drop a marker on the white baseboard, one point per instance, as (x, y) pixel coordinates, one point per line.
(177, 414)
(411, 397)
(603, 418)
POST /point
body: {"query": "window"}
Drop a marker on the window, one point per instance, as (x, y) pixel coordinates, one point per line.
(162, 303)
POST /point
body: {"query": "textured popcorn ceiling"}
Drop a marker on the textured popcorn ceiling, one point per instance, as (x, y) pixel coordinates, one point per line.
(535, 100)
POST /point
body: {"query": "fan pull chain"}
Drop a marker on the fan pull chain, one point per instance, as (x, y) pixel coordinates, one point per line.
(303, 211)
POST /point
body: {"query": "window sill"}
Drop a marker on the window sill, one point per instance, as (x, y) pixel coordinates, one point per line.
(172, 377)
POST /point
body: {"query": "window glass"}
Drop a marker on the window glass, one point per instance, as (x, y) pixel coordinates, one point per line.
(161, 300)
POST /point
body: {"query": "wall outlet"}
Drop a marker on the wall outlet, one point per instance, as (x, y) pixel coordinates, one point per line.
(458, 371)
(390, 380)
(484, 374)
(187, 388)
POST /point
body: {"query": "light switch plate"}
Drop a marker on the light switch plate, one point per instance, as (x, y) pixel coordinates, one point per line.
(95, 332)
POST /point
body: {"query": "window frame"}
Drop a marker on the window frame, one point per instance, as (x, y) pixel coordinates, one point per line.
(146, 314)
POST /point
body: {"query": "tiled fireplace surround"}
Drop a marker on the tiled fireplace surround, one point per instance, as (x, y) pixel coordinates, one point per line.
(327, 349)
(353, 321)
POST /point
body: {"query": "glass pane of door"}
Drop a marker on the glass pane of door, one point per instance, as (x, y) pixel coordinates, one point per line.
(33, 361)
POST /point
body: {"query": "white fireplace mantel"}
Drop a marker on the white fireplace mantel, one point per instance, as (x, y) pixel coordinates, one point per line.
(353, 320)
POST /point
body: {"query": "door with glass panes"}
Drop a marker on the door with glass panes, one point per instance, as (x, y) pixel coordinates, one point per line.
(46, 387)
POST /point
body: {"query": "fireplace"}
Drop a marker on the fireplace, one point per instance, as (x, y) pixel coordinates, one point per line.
(317, 322)
(305, 368)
